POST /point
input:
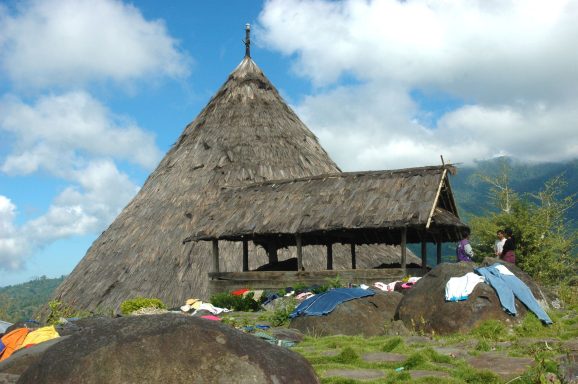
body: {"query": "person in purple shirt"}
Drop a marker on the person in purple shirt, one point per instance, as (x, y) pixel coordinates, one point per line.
(464, 251)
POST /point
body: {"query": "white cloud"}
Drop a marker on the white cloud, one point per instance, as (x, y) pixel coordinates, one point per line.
(73, 42)
(507, 63)
(58, 133)
(12, 247)
(98, 193)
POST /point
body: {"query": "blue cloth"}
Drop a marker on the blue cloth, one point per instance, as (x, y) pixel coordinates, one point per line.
(326, 302)
(508, 286)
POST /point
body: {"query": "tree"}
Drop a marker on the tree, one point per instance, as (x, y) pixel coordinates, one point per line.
(546, 240)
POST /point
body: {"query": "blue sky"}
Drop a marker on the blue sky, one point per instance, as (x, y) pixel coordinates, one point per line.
(94, 92)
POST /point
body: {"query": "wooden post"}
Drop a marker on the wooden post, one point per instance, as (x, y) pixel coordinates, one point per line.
(245, 255)
(215, 255)
(272, 253)
(299, 252)
(353, 258)
(423, 255)
(439, 252)
(403, 245)
(329, 257)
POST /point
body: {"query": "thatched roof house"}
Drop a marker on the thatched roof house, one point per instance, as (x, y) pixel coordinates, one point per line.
(245, 134)
(353, 208)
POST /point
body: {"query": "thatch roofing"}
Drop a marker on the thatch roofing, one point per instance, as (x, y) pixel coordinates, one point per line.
(356, 207)
(245, 134)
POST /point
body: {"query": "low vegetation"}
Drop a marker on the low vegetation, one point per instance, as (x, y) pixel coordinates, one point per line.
(129, 306)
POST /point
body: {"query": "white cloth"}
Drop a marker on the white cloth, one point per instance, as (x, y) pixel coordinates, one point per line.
(498, 246)
(385, 287)
(503, 270)
(459, 288)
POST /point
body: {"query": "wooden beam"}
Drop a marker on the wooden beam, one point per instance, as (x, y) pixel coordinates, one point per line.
(403, 247)
(439, 252)
(329, 257)
(215, 255)
(435, 203)
(245, 255)
(299, 252)
(353, 257)
(423, 255)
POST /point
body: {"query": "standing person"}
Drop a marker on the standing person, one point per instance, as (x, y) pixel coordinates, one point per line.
(464, 251)
(509, 247)
(499, 244)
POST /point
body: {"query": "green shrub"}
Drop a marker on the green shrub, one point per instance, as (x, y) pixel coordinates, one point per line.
(347, 356)
(60, 310)
(129, 306)
(280, 316)
(236, 302)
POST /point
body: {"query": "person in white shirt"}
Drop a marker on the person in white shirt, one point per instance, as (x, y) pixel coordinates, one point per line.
(499, 244)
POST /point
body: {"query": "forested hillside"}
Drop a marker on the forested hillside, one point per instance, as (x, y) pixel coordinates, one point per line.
(472, 193)
(19, 302)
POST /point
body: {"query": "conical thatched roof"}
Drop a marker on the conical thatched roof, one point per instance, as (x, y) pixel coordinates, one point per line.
(245, 134)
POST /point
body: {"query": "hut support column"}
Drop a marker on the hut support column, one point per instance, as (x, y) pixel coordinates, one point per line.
(439, 252)
(245, 255)
(353, 257)
(272, 254)
(423, 256)
(329, 257)
(215, 255)
(299, 252)
(403, 248)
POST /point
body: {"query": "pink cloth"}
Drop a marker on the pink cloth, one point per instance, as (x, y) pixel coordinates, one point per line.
(211, 317)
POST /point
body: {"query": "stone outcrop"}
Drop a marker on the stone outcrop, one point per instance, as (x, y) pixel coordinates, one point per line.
(167, 348)
(424, 308)
(366, 316)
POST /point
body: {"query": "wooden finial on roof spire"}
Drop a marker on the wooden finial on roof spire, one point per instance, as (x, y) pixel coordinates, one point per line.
(247, 40)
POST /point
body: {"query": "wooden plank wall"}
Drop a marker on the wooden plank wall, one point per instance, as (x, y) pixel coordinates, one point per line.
(274, 280)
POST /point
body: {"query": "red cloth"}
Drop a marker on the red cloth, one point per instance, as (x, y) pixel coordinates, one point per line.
(239, 292)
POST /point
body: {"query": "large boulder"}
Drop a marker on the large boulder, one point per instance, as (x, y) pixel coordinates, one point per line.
(365, 316)
(424, 308)
(170, 348)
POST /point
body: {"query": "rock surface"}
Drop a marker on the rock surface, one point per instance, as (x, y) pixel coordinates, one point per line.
(366, 316)
(167, 348)
(424, 308)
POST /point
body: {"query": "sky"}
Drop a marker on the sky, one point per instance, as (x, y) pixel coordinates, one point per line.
(94, 92)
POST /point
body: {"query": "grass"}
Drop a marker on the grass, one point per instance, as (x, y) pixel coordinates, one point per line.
(544, 344)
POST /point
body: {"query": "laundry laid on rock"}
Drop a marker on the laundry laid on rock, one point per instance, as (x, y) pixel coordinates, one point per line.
(508, 286)
(12, 341)
(460, 288)
(397, 285)
(199, 305)
(326, 302)
(40, 335)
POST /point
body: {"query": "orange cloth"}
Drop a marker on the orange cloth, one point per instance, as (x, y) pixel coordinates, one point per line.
(13, 340)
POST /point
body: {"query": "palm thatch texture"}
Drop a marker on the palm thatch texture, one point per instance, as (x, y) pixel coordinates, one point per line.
(354, 208)
(245, 134)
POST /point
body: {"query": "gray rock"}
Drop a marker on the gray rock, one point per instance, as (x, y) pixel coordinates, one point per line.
(366, 316)
(568, 368)
(168, 348)
(424, 308)
(25, 357)
(502, 365)
(8, 378)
